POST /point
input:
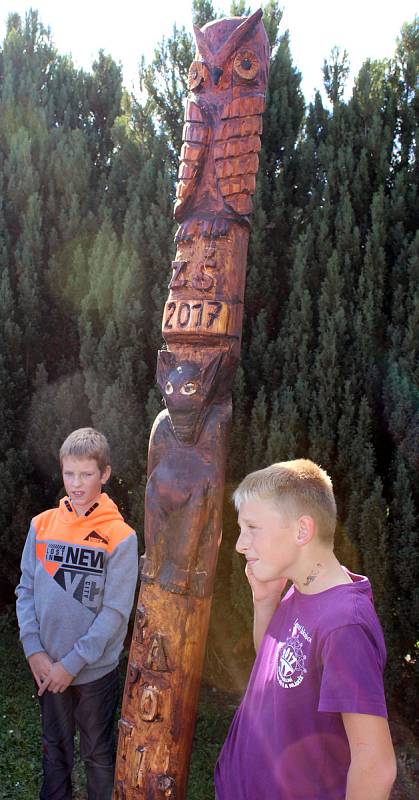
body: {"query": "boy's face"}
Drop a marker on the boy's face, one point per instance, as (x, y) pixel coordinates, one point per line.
(268, 539)
(83, 481)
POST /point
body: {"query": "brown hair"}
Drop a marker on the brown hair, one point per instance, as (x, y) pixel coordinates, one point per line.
(305, 485)
(87, 443)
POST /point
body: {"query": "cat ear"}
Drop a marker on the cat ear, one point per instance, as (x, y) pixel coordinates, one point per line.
(218, 374)
(209, 372)
(165, 362)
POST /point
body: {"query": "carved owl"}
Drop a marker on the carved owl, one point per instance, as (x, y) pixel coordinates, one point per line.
(223, 121)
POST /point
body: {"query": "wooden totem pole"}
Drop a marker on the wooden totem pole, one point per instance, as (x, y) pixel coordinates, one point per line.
(202, 323)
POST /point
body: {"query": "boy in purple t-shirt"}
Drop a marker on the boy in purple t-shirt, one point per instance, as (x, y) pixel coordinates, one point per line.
(313, 722)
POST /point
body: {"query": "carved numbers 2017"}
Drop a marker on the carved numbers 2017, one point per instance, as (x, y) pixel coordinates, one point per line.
(196, 315)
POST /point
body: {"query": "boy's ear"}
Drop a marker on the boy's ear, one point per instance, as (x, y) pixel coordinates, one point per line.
(106, 474)
(306, 529)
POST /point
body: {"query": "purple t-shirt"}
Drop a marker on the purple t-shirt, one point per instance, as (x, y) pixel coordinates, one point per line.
(322, 654)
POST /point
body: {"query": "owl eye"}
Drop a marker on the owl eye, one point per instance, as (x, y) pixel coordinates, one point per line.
(188, 388)
(246, 64)
(196, 75)
(168, 388)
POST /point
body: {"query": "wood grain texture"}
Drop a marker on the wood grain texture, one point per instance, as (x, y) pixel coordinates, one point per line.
(202, 325)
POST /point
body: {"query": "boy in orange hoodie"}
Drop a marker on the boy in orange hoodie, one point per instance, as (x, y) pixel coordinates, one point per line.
(79, 573)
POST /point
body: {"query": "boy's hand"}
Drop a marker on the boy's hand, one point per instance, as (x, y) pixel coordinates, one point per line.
(266, 597)
(265, 591)
(57, 681)
(40, 665)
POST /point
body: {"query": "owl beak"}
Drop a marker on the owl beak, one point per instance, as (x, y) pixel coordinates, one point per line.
(216, 73)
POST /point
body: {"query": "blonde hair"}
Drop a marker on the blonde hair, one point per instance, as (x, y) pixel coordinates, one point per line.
(302, 484)
(87, 443)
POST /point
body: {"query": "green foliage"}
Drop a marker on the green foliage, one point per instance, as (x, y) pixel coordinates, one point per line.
(238, 8)
(165, 82)
(202, 12)
(272, 15)
(335, 74)
(20, 739)
(214, 716)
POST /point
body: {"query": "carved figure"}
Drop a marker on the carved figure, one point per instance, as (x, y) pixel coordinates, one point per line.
(202, 322)
(223, 123)
(182, 495)
(188, 388)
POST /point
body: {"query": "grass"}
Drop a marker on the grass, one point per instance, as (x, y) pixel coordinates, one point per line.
(215, 711)
(20, 739)
(20, 750)
(20, 730)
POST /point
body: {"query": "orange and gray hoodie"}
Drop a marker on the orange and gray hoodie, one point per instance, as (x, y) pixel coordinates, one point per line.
(77, 587)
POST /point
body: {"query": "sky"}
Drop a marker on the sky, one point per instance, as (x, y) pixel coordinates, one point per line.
(129, 29)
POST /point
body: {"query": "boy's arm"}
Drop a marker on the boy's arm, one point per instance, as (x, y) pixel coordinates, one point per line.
(373, 765)
(38, 660)
(266, 597)
(353, 658)
(25, 605)
(118, 598)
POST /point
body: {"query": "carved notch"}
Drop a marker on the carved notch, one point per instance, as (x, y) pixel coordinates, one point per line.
(156, 658)
(125, 732)
(149, 704)
(120, 790)
(140, 622)
(167, 785)
(138, 767)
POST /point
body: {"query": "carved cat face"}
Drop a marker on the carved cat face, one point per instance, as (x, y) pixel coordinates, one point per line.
(187, 388)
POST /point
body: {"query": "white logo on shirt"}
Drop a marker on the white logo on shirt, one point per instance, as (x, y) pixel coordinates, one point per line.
(290, 669)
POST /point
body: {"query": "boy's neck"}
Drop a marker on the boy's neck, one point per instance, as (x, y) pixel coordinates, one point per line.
(319, 571)
(84, 512)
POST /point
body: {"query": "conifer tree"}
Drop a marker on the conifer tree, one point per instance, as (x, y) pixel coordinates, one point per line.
(256, 444)
(289, 356)
(328, 368)
(405, 537)
(165, 82)
(285, 431)
(361, 468)
(273, 221)
(401, 384)
(335, 74)
(374, 548)
(369, 321)
(202, 12)
(239, 424)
